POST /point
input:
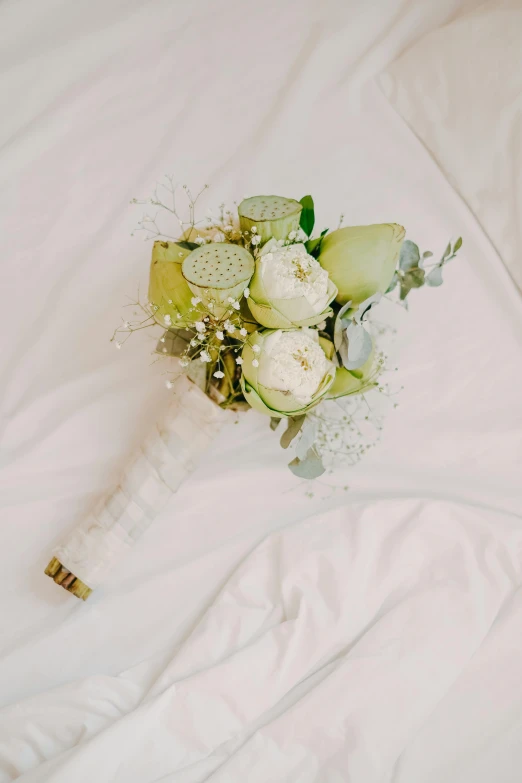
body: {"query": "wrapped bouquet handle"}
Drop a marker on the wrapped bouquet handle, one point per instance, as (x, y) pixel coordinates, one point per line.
(158, 468)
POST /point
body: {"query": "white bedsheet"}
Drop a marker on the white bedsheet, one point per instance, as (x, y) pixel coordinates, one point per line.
(256, 633)
(466, 107)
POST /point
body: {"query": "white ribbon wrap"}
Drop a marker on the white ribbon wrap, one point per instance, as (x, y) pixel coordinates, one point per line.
(168, 455)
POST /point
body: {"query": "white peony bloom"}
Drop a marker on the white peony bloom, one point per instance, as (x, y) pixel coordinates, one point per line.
(289, 272)
(289, 288)
(293, 362)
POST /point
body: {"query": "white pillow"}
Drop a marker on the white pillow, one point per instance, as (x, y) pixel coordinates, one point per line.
(460, 89)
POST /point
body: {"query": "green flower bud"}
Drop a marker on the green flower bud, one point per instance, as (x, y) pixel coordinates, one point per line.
(361, 260)
(168, 290)
(353, 381)
(285, 373)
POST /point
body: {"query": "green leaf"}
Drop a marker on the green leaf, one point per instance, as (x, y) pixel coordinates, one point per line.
(434, 278)
(307, 221)
(308, 468)
(457, 245)
(412, 279)
(447, 252)
(427, 254)
(293, 429)
(274, 423)
(416, 277)
(410, 255)
(313, 246)
(307, 438)
(188, 245)
(356, 350)
(393, 284)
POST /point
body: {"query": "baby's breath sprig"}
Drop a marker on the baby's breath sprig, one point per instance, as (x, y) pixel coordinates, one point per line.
(164, 198)
(144, 320)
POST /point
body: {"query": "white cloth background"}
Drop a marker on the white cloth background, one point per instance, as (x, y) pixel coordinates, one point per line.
(466, 107)
(255, 633)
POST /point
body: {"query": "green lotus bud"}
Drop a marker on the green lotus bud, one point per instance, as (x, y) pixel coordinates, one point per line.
(168, 290)
(353, 381)
(289, 288)
(269, 216)
(361, 260)
(218, 272)
(285, 373)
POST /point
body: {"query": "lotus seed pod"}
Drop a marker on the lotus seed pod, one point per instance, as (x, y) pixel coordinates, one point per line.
(361, 260)
(168, 290)
(271, 216)
(218, 272)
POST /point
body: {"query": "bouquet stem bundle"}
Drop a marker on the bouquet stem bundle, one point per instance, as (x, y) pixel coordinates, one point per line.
(159, 467)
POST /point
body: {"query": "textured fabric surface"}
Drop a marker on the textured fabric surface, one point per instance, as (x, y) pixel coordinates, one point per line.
(369, 632)
(460, 90)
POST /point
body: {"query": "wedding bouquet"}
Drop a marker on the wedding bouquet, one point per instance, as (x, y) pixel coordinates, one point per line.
(259, 313)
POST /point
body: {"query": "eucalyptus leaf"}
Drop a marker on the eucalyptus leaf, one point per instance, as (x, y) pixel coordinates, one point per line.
(447, 252)
(412, 279)
(427, 254)
(340, 325)
(434, 278)
(306, 438)
(274, 423)
(410, 255)
(393, 284)
(307, 220)
(365, 307)
(308, 468)
(292, 430)
(457, 245)
(359, 347)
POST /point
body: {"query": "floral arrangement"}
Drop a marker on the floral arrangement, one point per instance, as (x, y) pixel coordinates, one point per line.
(279, 318)
(262, 313)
